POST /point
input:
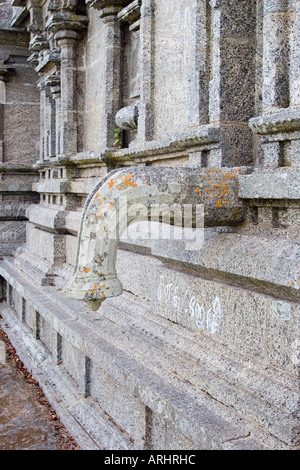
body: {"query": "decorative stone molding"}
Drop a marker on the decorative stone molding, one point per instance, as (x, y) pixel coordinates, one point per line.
(280, 121)
(131, 14)
(66, 21)
(101, 4)
(57, 5)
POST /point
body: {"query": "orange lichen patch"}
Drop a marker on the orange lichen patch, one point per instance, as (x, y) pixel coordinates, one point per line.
(112, 205)
(129, 181)
(84, 270)
(217, 187)
(94, 289)
(111, 183)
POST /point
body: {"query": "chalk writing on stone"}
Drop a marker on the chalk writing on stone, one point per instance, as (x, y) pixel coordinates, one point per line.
(205, 317)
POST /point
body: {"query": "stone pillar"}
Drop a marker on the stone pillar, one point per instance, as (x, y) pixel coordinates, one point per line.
(295, 61)
(276, 54)
(64, 27)
(56, 93)
(108, 11)
(112, 72)
(50, 138)
(42, 88)
(145, 120)
(279, 124)
(67, 41)
(127, 117)
(199, 24)
(231, 73)
(2, 103)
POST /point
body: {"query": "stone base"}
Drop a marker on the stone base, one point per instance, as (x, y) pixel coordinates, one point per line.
(126, 377)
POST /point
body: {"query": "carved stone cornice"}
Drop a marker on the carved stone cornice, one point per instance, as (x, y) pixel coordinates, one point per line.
(63, 17)
(57, 5)
(38, 42)
(131, 13)
(66, 20)
(101, 4)
(53, 81)
(48, 59)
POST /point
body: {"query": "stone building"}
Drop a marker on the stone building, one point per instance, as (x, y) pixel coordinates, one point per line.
(185, 102)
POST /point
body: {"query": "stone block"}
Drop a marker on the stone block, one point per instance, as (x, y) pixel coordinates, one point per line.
(47, 335)
(233, 316)
(270, 154)
(283, 325)
(46, 245)
(276, 60)
(123, 407)
(281, 183)
(71, 359)
(136, 277)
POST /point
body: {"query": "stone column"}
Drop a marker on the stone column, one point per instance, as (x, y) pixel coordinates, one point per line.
(42, 88)
(145, 119)
(2, 103)
(67, 41)
(231, 70)
(112, 72)
(198, 27)
(276, 54)
(127, 117)
(295, 61)
(64, 27)
(56, 93)
(279, 124)
(53, 95)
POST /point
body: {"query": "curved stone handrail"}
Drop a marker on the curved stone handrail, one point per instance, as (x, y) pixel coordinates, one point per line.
(128, 195)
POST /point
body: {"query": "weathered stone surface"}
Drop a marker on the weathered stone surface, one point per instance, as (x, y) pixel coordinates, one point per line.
(202, 344)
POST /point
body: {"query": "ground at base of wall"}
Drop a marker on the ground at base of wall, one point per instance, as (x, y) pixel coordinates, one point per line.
(27, 420)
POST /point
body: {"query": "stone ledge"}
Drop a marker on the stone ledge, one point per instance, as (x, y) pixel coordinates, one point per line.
(278, 183)
(280, 121)
(56, 186)
(47, 218)
(15, 187)
(204, 135)
(263, 264)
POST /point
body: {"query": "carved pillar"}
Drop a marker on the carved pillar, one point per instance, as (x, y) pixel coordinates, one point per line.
(42, 88)
(53, 97)
(64, 30)
(197, 24)
(108, 11)
(67, 40)
(232, 79)
(3, 72)
(145, 120)
(276, 54)
(56, 93)
(279, 124)
(295, 60)
(127, 116)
